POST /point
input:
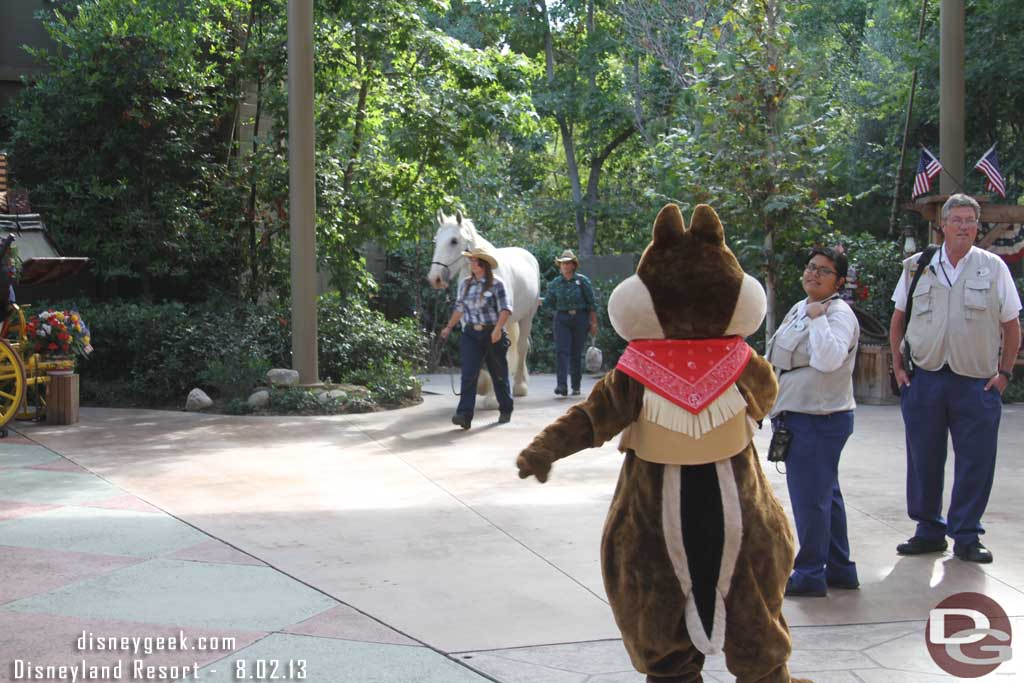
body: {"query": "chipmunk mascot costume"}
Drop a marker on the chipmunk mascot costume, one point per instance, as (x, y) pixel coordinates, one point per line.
(696, 548)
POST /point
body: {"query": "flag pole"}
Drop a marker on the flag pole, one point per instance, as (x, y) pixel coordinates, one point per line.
(906, 133)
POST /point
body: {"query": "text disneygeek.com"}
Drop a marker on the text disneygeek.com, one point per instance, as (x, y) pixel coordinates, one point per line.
(134, 667)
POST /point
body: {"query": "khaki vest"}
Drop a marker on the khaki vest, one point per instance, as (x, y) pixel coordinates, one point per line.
(803, 389)
(958, 326)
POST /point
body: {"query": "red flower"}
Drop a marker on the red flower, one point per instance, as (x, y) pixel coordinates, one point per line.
(51, 346)
(863, 293)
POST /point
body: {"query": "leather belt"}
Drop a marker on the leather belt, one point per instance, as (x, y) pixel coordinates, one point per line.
(571, 311)
(480, 328)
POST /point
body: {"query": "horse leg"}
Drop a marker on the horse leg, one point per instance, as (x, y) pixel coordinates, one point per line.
(484, 389)
(521, 346)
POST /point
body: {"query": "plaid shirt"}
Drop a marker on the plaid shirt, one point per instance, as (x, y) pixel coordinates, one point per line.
(479, 307)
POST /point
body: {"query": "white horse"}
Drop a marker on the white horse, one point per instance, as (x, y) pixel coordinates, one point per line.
(519, 271)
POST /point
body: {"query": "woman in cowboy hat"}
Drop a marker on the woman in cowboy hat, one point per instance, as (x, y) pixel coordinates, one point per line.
(483, 307)
(572, 297)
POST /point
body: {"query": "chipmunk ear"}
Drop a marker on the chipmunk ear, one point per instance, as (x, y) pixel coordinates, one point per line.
(705, 225)
(669, 227)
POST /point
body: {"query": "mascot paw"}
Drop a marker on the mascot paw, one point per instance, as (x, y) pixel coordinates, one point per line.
(534, 462)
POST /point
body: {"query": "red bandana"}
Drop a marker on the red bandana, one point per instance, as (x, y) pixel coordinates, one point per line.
(689, 372)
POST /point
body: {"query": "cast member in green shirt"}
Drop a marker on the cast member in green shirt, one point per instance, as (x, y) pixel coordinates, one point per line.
(572, 298)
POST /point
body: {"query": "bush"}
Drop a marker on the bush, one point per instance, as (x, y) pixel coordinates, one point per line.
(153, 354)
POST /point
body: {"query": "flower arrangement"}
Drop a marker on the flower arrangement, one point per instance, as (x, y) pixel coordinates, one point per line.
(56, 333)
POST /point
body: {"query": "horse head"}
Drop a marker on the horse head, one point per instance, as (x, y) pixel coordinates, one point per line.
(455, 235)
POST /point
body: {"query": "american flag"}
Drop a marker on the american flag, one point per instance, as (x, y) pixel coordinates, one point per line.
(927, 168)
(989, 165)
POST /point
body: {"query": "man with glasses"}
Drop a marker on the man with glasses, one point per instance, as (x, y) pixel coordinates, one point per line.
(964, 309)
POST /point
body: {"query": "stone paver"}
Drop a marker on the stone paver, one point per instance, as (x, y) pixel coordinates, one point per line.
(355, 540)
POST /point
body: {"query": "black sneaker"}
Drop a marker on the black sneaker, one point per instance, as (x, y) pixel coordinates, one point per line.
(504, 417)
(844, 585)
(974, 552)
(461, 421)
(561, 391)
(794, 592)
(921, 546)
(575, 392)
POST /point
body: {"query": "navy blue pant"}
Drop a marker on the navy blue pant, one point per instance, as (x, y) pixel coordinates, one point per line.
(937, 405)
(812, 476)
(570, 335)
(475, 351)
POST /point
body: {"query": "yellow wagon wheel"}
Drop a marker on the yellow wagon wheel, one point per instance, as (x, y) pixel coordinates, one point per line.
(12, 383)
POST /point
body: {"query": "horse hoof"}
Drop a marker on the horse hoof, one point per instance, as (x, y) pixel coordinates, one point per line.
(490, 403)
(520, 390)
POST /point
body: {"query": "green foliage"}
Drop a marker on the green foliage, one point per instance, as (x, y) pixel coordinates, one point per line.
(389, 383)
(299, 402)
(227, 347)
(234, 377)
(123, 144)
(354, 339)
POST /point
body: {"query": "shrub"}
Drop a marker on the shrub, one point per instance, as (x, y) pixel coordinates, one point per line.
(153, 354)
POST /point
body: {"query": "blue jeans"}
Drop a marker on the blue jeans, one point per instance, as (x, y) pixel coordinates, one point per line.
(819, 513)
(475, 351)
(570, 335)
(938, 404)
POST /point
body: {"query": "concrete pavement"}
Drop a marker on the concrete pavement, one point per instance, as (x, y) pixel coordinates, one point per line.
(395, 547)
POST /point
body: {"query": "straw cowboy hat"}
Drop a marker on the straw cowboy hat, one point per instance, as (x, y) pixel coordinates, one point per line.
(483, 254)
(567, 257)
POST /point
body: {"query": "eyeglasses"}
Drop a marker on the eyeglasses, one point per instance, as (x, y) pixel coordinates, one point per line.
(818, 270)
(960, 222)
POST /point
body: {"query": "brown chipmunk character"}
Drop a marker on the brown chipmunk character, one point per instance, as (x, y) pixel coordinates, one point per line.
(696, 548)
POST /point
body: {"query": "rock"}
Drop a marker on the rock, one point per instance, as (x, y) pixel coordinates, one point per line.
(354, 390)
(259, 399)
(282, 377)
(197, 400)
(333, 395)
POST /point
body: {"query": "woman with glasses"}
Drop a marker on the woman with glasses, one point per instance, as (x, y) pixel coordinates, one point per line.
(813, 353)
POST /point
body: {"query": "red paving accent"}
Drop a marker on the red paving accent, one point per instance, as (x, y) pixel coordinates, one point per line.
(17, 439)
(10, 509)
(59, 465)
(216, 552)
(345, 623)
(46, 639)
(29, 571)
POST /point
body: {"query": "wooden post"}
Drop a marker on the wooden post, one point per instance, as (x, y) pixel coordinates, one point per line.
(62, 399)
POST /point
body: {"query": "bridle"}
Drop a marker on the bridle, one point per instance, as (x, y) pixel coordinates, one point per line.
(448, 266)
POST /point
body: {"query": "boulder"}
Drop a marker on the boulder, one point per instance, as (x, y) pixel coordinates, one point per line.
(354, 390)
(259, 399)
(282, 377)
(332, 395)
(198, 400)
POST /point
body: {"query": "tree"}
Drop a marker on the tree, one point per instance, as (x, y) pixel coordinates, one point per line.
(123, 141)
(748, 142)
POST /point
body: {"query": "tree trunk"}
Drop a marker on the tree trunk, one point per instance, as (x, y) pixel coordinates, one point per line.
(563, 126)
(771, 112)
(357, 133)
(588, 236)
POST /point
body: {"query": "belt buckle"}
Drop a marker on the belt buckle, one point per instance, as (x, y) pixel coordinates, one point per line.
(571, 311)
(478, 327)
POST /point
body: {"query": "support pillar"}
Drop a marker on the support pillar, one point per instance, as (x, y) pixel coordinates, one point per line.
(951, 96)
(302, 190)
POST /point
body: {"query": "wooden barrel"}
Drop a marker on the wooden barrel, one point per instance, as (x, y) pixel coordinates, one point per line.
(62, 399)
